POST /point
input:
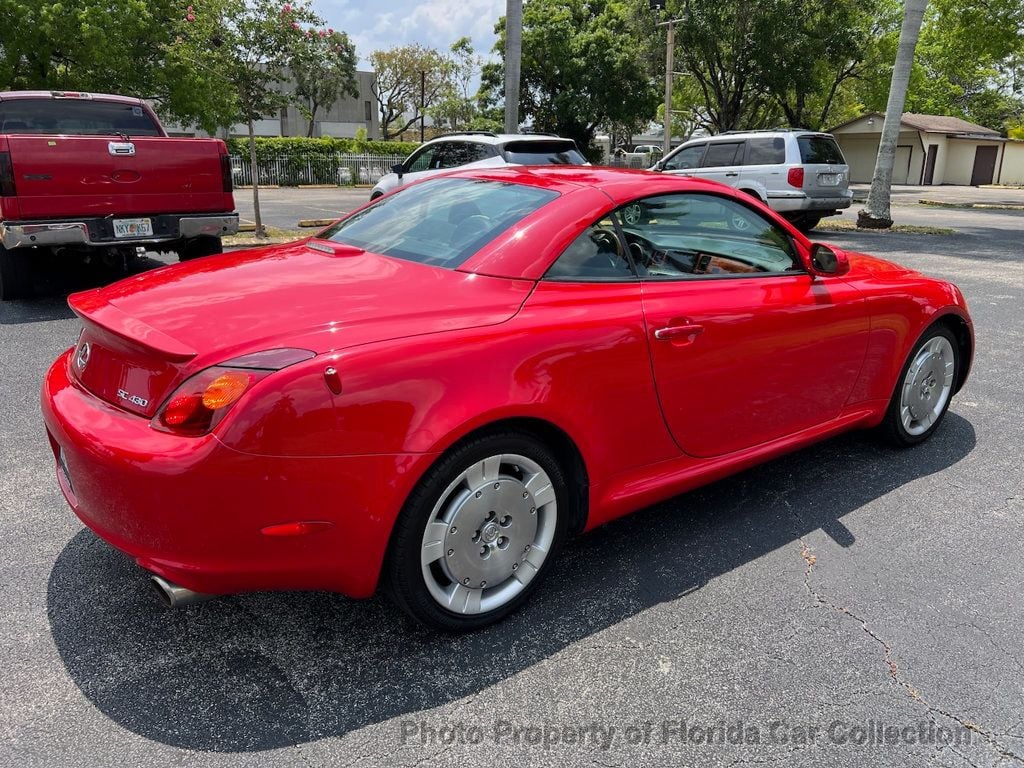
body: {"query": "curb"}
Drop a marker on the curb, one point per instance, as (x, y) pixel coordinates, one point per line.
(316, 222)
(986, 206)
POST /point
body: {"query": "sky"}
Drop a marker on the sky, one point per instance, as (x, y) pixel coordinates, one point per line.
(379, 24)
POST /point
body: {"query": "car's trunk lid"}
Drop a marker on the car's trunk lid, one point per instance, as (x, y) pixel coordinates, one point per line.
(148, 333)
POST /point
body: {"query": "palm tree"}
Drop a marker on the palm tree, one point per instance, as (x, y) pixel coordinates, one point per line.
(513, 58)
(876, 213)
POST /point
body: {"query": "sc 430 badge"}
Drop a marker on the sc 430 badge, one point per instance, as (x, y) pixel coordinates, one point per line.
(133, 399)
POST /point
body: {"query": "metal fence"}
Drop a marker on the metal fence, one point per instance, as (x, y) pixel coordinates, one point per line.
(340, 169)
(631, 161)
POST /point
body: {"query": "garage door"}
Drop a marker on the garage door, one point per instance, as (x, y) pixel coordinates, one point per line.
(901, 167)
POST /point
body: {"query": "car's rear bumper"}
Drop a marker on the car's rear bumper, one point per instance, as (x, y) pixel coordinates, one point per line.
(99, 231)
(795, 202)
(194, 510)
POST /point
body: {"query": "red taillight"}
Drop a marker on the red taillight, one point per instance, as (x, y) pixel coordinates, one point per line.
(201, 402)
(796, 177)
(7, 186)
(198, 405)
(225, 174)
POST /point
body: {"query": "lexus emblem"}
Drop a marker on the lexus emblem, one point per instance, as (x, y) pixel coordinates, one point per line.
(82, 358)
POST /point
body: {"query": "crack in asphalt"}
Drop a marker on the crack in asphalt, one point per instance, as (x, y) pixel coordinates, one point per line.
(1004, 752)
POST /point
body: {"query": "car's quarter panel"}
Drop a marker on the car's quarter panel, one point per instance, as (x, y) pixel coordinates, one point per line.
(193, 510)
(774, 355)
(575, 356)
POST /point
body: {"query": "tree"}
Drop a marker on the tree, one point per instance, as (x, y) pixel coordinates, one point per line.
(246, 45)
(806, 51)
(876, 213)
(457, 106)
(401, 71)
(581, 68)
(323, 67)
(131, 47)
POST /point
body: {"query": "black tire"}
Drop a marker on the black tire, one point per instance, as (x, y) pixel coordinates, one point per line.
(807, 223)
(892, 428)
(404, 579)
(199, 247)
(15, 274)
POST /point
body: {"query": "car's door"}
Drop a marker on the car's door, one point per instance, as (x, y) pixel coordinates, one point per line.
(745, 344)
(422, 163)
(684, 160)
(764, 166)
(722, 162)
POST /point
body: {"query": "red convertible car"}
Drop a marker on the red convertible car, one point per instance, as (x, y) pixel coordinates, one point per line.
(435, 392)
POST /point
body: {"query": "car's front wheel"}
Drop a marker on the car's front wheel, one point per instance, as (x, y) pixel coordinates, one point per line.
(479, 532)
(925, 388)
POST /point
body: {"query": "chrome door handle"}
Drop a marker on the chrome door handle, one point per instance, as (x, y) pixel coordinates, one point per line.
(677, 332)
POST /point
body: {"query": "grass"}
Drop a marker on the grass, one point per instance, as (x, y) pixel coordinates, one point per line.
(848, 225)
(275, 236)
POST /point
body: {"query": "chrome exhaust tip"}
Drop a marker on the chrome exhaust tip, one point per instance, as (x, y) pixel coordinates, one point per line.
(175, 596)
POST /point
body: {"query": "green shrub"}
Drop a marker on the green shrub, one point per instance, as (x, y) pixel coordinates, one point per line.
(299, 147)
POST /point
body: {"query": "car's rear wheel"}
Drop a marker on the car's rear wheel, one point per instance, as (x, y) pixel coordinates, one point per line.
(479, 533)
(15, 274)
(925, 388)
(199, 247)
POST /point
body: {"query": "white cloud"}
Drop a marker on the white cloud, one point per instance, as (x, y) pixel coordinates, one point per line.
(435, 23)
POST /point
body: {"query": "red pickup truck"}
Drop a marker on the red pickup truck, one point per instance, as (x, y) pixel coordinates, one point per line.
(97, 175)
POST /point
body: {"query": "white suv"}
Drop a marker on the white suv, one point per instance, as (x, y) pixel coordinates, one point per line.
(479, 149)
(801, 174)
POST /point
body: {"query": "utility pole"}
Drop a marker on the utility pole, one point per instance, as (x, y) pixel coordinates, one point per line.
(670, 48)
(513, 60)
(423, 101)
(670, 53)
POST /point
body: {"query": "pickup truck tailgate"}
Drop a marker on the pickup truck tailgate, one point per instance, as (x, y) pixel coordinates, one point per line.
(62, 176)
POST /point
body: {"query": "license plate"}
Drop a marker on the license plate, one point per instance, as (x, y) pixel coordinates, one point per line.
(828, 179)
(62, 463)
(133, 227)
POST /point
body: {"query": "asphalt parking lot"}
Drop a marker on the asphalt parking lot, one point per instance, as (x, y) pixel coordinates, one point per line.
(847, 605)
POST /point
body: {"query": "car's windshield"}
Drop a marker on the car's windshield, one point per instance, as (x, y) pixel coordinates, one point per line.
(543, 153)
(75, 117)
(441, 222)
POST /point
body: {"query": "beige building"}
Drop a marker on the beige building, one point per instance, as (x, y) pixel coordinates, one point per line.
(346, 116)
(933, 149)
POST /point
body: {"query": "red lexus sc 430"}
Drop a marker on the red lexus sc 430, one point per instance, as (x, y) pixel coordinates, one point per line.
(434, 393)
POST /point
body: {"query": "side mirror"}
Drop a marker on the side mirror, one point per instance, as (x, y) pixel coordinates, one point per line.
(828, 260)
(399, 170)
(658, 166)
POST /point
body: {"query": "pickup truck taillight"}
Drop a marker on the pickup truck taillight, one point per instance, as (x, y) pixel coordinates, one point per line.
(7, 187)
(225, 173)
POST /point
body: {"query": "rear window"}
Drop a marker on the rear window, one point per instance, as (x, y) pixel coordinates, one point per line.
(820, 150)
(441, 222)
(75, 117)
(766, 151)
(543, 153)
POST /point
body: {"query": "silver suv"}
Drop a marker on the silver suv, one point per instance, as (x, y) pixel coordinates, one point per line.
(801, 174)
(479, 149)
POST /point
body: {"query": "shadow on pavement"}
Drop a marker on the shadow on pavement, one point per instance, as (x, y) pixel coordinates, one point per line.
(260, 671)
(55, 278)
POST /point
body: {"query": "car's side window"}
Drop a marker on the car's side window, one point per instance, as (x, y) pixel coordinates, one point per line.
(422, 159)
(686, 158)
(766, 151)
(722, 153)
(597, 254)
(463, 152)
(695, 235)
